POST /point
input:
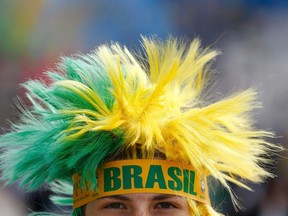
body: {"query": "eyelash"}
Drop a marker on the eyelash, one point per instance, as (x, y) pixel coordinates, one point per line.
(161, 205)
(116, 205)
(165, 205)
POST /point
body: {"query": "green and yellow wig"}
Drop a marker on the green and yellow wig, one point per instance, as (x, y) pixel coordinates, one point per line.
(143, 104)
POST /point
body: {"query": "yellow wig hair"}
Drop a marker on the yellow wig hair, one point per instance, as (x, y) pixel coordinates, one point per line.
(152, 104)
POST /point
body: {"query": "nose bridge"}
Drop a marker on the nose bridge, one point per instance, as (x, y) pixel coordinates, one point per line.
(142, 212)
(142, 209)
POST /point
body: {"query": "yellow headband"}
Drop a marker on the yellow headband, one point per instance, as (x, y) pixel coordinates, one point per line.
(143, 176)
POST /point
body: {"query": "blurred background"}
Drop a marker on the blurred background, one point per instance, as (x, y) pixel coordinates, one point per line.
(252, 35)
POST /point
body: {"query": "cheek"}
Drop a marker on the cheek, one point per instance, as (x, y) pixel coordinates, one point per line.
(104, 212)
(187, 210)
(91, 209)
(171, 212)
(92, 212)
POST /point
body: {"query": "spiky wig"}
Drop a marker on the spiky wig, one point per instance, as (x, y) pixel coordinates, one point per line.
(112, 100)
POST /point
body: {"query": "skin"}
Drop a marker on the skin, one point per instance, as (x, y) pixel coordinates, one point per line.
(140, 204)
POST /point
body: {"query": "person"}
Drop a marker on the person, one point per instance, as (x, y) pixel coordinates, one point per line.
(133, 133)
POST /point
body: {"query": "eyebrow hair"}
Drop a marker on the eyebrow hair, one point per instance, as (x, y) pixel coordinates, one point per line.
(157, 197)
(119, 197)
(163, 197)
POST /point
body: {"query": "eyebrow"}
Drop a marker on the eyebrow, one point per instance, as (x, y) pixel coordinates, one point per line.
(154, 198)
(118, 197)
(163, 197)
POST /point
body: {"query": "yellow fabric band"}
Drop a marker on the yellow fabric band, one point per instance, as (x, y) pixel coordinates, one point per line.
(143, 176)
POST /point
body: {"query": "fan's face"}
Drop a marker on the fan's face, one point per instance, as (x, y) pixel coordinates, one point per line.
(139, 204)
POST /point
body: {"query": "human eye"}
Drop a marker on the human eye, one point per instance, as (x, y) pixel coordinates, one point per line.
(115, 205)
(165, 205)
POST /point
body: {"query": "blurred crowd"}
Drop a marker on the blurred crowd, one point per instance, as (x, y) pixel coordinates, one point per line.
(252, 36)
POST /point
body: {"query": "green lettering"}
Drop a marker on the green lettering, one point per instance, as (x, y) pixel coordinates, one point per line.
(185, 180)
(192, 180)
(155, 175)
(111, 179)
(132, 172)
(175, 183)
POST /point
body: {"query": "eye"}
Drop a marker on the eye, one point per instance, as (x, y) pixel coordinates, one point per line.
(115, 205)
(165, 205)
